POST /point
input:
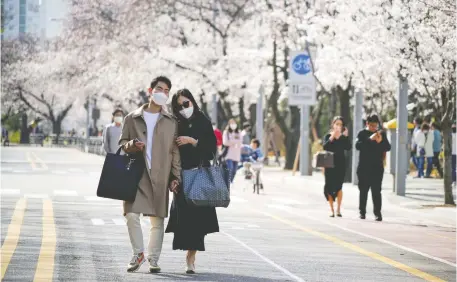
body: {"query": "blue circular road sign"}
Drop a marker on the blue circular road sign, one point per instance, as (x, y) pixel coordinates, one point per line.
(301, 64)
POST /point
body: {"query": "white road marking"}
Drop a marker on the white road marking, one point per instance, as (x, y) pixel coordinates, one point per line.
(238, 228)
(119, 221)
(236, 199)
(95, 198)
(97, 221)
(296, 212)
(65, 193)
(36, 196)
(10, 191)
(95, 173)
(6, 169)
(59, 172)
(75, 170)
(267, 260)
(287, 201)
(21, 171)
(253, 226)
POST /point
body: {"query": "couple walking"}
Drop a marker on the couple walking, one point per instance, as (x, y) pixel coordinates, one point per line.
(169, 143)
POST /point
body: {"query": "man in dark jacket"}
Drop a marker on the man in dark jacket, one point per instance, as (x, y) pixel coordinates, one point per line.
(372, 144)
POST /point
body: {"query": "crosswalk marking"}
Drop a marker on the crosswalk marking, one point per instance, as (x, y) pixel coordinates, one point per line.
(59, 172)
(236, 199)
(10, 191)
(75, 170)
(65, 193)
(97, 221)
(36, 196)
(95, 198)
(119, 221)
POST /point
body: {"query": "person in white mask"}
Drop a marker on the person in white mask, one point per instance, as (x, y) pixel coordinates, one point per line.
(151, 131)
(197, 146)
(232, 142)
(112, 132)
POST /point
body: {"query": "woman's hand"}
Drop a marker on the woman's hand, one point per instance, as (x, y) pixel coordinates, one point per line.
(346, 132)
(183, 140)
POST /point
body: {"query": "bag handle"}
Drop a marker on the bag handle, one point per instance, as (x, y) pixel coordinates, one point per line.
(118, 152)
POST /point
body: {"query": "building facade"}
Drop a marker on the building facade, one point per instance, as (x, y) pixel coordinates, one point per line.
(39, 18)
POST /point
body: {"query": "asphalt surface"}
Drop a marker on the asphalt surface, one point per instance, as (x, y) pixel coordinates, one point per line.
(53, 227)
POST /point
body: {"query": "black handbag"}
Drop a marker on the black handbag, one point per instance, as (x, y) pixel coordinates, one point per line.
(120, 176)
(324, 159)
(207, 186)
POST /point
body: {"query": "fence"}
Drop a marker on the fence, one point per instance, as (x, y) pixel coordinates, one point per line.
(94, 146)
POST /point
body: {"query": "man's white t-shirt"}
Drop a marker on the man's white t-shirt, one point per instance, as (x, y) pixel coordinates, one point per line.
(151, 121)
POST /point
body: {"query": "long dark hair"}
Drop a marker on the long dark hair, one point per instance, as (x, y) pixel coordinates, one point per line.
(335, 119)
(175, 105)
(227, 128)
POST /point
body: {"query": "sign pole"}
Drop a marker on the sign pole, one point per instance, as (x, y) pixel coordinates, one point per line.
(401, 157)
(358, 112)
(259, 120)
(304, 141)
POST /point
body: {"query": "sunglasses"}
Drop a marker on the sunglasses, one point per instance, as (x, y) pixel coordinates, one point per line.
(185, 105)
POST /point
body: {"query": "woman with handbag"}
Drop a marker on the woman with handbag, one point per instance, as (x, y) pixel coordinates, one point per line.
(337, 142)
(232, 152)
(197, 146)
(424, 140)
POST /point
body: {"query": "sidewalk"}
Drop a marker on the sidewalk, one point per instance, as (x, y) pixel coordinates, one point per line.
(424, 197)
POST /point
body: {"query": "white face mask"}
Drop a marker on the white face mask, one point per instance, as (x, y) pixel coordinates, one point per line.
(118, 119)
(187, 112)
(159, 98)
(233, 126)
(425, 131)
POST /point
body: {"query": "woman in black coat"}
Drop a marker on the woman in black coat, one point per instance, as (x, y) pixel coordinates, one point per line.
(337, 142)
(197, 145)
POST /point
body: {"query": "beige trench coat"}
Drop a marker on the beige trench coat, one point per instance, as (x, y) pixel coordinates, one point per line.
(152, 196)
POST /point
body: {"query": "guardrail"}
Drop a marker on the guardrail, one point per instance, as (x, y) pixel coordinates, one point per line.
(94, 146)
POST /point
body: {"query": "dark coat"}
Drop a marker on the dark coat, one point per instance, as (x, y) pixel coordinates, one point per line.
(184, 219)
(334, 177)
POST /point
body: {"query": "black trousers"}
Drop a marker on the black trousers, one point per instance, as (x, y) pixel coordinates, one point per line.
(370, 178)
(437, 164)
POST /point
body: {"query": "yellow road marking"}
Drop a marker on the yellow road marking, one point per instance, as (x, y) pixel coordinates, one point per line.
(43, 165)
(31, 161)
(45, 265)
(12, 235)
(391, 262)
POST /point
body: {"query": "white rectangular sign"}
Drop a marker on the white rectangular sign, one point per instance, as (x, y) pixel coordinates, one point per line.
(302, 84)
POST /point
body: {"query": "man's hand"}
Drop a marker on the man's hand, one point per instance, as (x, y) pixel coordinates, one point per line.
(379, 138)
(174, 186)
(183, 140)
(374, 136)
(139, 145)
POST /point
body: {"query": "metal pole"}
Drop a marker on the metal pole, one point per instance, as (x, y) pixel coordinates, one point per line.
(89, 117)
(358, 112)
(259, 119)
(401, 157)
(304, 145)
(214, 97)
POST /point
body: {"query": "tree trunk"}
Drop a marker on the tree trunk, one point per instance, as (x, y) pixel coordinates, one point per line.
(56, 129)
(447, 138)
(25, 132)
(241, 110)
(292, 137)
(345, 110)
(253, 119)
(204, 105)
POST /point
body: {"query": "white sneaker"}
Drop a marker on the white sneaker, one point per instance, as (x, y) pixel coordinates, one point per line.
(154, 267)
(136, 262)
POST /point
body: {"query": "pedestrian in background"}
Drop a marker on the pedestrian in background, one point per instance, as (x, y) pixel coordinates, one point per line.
(372, 144)
(197, 146)
(417, 125)
(437, 145)
(336, 141)
(151, 131)
(232, 141)
(424, 141)
(112, 132)
(246, 133)
(218, 135)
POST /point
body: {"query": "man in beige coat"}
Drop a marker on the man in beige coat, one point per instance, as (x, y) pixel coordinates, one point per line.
(152, 131)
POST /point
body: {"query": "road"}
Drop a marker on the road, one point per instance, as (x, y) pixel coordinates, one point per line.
(53, 227)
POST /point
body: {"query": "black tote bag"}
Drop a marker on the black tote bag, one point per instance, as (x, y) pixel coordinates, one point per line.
(324, 159)
(120, 176)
